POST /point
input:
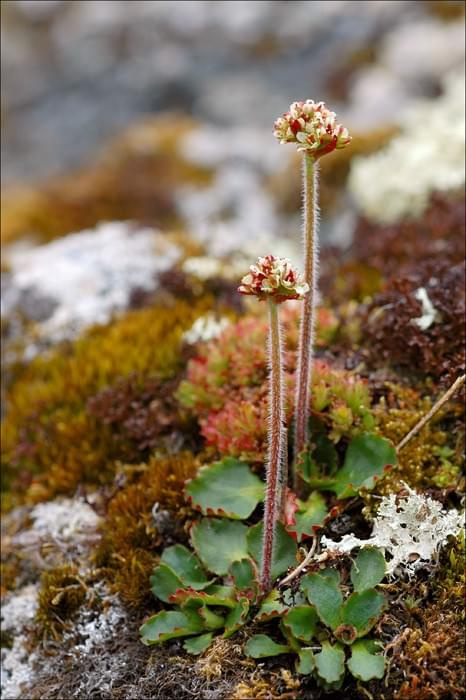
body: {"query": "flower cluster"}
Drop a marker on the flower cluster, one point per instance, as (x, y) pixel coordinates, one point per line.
(273, 278)
(312, 127)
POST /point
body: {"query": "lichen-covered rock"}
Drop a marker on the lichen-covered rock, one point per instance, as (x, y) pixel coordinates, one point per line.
(86, 277)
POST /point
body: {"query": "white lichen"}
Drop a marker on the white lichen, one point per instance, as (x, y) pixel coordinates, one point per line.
(63, 520)
(87, 276)
(409, 529)
(429, 313)
(93, 629)
(17, 612)
(203, 267)
(205, 328)
(427, 156)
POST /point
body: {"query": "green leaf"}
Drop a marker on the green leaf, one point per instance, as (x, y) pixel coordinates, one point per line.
(169, 624)
(323, 591)
(211, 620)
(364, 664)
(237, 617)
(301, 622)
(325, 454)
(244, 575)
(285, 548)
(368, 569)
(219, 542)
(318, 467)
(216, 595)
(178, 568)
(292, 642)
(227, 488)
(311, 512)
(197, 645)
(330, 663)
(306, 661)
(261, 646)
(366, 457)
(186, 566)
(164, 582)
(271, 607)
(362, 610)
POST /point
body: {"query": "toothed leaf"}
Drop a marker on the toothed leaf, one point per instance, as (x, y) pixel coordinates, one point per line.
(364, 664)
(197, 645)
(306, 661)
(169, 624)
(237, 617)
(324, 593)
(218, 543)
(164, 582)
(301, 621)
(215, 595)
(178, 568)
(245, 577)
(330, 663)
(368, 569)
(186, 565)
(362, 610)
(310, 513)
(365, 459)
(271, 607)
(228, 489)
(261, 646)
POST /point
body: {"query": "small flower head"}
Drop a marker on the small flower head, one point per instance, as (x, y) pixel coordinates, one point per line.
(312, 127)
(273, 278)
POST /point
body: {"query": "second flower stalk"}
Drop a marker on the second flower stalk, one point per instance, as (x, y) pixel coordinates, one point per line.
(274, 280)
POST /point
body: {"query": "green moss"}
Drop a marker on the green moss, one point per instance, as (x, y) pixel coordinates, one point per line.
(61, 593)
(50, 441)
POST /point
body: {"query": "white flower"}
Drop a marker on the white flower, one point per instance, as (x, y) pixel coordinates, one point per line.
(313, 127)
(273, 278)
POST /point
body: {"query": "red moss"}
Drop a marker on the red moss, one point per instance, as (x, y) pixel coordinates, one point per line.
(142, 413)
(392, 335)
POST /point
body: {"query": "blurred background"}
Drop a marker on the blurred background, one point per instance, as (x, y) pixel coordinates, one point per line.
(76, 72)
(160, 113)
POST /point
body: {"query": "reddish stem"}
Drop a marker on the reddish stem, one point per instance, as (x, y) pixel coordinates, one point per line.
(276, 444)
(306, 331)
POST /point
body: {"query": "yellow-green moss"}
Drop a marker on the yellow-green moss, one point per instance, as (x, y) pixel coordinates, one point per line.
(62, 592)
(422, 463)
(130, 538)
(451, 577)
(134, 179)
(47, 431)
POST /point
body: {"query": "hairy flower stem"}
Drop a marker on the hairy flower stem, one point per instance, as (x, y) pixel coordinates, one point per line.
(276, 445)
(284, 477)
(306, 332)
